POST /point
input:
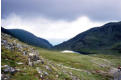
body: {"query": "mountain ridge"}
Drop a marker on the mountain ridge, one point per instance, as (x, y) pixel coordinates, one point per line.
(27, 37)
(97, 38)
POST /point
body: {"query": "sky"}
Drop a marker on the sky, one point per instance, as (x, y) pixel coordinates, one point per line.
(58, 20)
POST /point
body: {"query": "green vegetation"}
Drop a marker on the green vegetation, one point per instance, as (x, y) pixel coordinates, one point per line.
(85, 65)
(91, 63)
(11, 58)
(57, 65)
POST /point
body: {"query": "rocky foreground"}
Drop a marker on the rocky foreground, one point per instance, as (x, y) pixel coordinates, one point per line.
(31, 59)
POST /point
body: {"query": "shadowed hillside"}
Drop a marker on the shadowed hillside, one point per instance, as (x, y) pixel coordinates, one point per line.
(96, 40)
(27, 37)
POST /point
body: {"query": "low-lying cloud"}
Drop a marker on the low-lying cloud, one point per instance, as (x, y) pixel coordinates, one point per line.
(56, 31)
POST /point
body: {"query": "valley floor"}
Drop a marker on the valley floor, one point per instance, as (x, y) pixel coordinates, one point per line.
(20, 61)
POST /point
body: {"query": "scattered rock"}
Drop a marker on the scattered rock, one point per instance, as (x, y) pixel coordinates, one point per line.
(41, 76)
(24, 73)
(24, 53)
(56, 76)
(42, 61)
(6, 59)
(70, 73)
(19, 63)
(46, 73)
(112, 71)
(48, 68)
(38, 70)
(75, 78)
(9, 69)
(117, 75)
(5, 77)
(33, 59)
(17, 69)
(30, 63)
(4, 66)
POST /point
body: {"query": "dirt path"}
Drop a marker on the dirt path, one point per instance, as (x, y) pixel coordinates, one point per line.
(73, 68)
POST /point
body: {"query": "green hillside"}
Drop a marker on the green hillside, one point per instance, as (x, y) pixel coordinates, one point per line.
(53, 65)
(95, 40)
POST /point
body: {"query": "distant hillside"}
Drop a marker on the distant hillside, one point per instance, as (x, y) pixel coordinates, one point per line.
(106, 37)
(27, 37)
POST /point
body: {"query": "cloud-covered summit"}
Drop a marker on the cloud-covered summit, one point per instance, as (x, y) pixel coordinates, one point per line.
(56, 31)
(58, 20)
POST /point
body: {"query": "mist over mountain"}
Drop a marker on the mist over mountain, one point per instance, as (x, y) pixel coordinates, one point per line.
(94, 40)
(27, 37)
(106, 37)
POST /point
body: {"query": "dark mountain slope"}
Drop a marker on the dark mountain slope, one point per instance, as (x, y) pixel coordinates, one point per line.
(27, 37)
(98, 38)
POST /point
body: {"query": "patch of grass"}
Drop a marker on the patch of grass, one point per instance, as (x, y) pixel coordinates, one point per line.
(83, 62)
(115, 59)
(74, 60)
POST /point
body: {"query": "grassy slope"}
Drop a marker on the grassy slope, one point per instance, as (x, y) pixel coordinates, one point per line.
(30, 73)
(87, 65)
(80, 60)
(90, 63)
(95, 66)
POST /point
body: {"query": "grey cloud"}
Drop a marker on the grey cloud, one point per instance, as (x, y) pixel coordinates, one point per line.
(99, 10)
